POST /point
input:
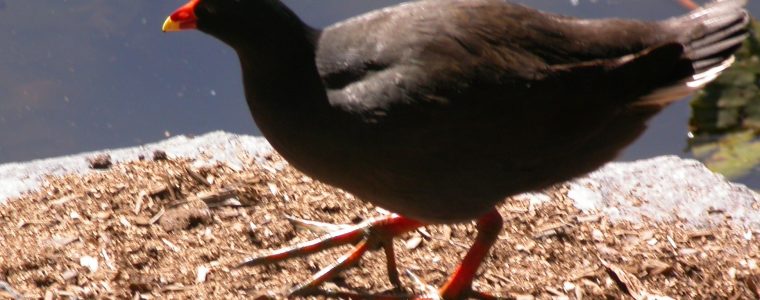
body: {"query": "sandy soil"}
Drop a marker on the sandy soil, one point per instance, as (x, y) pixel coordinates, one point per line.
(168, 228)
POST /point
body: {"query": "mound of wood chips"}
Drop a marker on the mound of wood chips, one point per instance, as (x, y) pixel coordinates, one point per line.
(171, 228)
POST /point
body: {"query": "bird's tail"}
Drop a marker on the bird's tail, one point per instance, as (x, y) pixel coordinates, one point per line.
(710, 35)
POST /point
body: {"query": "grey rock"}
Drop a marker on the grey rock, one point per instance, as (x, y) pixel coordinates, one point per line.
(661, 188)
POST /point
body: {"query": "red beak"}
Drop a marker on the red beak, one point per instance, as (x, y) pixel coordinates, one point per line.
(183, 18)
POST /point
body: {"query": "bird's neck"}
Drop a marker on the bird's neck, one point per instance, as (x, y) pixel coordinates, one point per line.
(284, 91)
(280, 72)
(276, 51)
(290, 107)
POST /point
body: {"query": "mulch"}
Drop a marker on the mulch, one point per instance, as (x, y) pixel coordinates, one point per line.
(175, 228)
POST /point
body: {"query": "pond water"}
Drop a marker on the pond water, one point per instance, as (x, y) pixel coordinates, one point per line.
(82, 75)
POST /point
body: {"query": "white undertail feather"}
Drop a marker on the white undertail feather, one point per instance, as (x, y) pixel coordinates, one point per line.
(669, 94)
(701, 79)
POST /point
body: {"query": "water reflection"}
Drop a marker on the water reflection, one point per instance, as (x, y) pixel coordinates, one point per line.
(86, 75)
(725, 120)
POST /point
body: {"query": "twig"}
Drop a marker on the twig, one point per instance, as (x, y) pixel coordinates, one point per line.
(8, 289)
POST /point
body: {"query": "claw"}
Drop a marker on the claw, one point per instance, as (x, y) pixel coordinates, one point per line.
(314, 226)
(429, 290)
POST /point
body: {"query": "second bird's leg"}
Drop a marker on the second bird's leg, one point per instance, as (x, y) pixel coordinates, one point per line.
(366, 235)
(459, 285)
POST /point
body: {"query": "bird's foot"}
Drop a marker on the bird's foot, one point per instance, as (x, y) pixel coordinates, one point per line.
(379, 232)
(370, 234)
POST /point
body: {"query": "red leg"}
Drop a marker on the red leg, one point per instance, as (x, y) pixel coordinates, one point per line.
(379, 232)
(459, 284)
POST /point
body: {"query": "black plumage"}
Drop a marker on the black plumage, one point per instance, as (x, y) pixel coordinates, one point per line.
(438, 110)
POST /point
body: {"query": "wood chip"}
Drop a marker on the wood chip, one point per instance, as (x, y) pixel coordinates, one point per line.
(210, 197)
(627, 283)
(49, 295)
(124, 222)
(522, 296)
(589, 219)
(579, 293)
(550, 230)
(89, 262)
(103, 215)
(157, 216)
(138, 204)
(424, 232)
(171, 245)
(107, 259)
(646, 235)
(672, 242)
(69, 275)
(228, 214)
(585, 273)
(555, 291)
(63, 241)
(597, 235)
(200, 274)
(273, 189)
(516, 210)
(158, 190)
(446, 232)
(176, 287)
(413, 242)
(753, 283)
(568, 286)
(655, 267)
(229, 202)
(197, 177)
(10, 291)
(494, 277)
(100, 161)
(687, 251)
(64, 200)
(160, 155)
(701, 234)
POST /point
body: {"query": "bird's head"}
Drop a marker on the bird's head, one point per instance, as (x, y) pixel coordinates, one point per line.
(235, 21)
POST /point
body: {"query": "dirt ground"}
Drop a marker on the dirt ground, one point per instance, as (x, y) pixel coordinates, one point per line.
(173, 228)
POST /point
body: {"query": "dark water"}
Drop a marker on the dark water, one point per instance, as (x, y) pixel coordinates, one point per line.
(90, 74)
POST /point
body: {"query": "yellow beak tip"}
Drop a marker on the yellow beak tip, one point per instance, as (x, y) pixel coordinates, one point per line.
(170, 25)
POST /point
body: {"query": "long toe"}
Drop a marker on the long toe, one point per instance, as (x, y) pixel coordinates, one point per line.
(345, 262)
(370, 234)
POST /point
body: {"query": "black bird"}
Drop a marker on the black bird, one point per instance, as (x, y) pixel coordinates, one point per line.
(438, 110)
